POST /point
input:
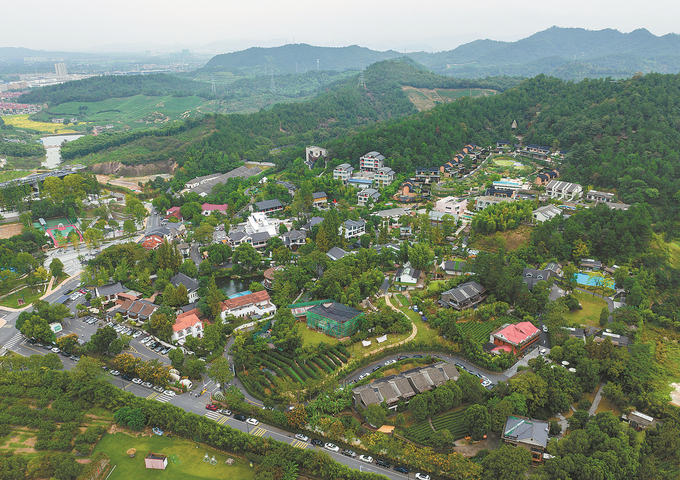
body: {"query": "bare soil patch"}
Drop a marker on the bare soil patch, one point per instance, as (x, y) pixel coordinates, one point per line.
(675, 394)
(10, 229)
(470, 450)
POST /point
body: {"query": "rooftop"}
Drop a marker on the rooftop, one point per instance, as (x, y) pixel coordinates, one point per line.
(335, 311)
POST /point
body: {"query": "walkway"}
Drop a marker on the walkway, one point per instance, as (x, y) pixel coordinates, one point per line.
(596, 400)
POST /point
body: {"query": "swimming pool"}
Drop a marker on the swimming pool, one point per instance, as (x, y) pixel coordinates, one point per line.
(583, 279)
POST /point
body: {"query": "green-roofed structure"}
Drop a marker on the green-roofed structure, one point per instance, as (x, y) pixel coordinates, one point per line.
(334, 319)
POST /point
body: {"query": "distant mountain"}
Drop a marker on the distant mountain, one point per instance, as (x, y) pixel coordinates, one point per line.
(297, 58)
(568, 53)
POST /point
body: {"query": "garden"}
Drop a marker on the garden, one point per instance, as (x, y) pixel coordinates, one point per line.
(453, 421)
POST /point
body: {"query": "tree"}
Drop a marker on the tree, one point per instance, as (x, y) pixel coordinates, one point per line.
(214, 298)
(57, 268)
(204, 233)
(375, 415)
(246, 256)
(604, 317)
(101, 340)
(116, 346)
(478, 420)
(188, 268)
(176, 357)
(220, 371)
(85, 370)
(195, 368)
(161, 324)
(506, 463)
(420, 407)
(441, 438)
(38, 328)
(129, 227)
(93, 238)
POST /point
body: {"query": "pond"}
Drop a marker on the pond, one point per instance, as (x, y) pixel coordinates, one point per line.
(53, 146)
(231, 286)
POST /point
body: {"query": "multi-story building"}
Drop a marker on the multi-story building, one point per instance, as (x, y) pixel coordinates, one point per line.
(187, 325)
(371, 162)
(319, 199)
(464, 296)
(452, 205)
(365, 196)
(343, 172)
(257, 303)
(595, 196)
(516, 338)
(563, 190)
(353, 228)
(383, 176)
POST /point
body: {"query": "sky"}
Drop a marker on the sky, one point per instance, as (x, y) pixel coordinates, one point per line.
(228, 25)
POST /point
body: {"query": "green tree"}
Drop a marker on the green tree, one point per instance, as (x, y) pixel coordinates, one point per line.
(176, 357)
(57, 268)
(478, 420)
(195, 368)
(101, 339)
(246, 256)
(604, 317)
(214, 298)
(506, 463)
(129, 227)
(375, 415)
(188, 268)
(220, 372)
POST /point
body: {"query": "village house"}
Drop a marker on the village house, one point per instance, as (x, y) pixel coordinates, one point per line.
(269, 206)
(452, 267)
(257, 303)
(343, 172)
(336, 253)
(313, 154)
(109, 293)
(545, 213)
(528, 433)
(353, 228)
(452, 205)
(334, 319)
(187, 325)
(364, 197)
(407, 274)
(563, 190)
(371, 162)
(383, 176)
(209, 208)
(190, 284)
(517, 338)
(319, 199)
(294, 239)
(599, 197)
(531, 276)
(464, 296)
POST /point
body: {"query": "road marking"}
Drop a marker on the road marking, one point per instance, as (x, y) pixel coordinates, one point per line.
(212, 415)
(17, 338)
(223, 420)
(258, 432)
(299, 444)
(153, 395)
(132, 349)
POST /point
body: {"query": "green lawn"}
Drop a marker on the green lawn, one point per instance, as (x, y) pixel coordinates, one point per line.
(12, 174)
(592, 306)
(190, 454)
(402, 298)
(312, 337)
(425, 335)
(28, 294)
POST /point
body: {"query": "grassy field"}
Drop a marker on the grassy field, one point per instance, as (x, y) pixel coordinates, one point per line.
(22, 121)
(425, 99)
(190, 455)
(12, 174)
(425, 333)
(402, 298)
(312, 337)
(28, 294)
(590, 315)
(513, 239)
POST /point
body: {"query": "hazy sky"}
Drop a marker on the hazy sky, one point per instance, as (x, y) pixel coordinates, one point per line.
(435, 25)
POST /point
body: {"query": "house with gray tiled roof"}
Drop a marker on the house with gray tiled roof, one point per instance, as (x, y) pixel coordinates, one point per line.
(528, 433)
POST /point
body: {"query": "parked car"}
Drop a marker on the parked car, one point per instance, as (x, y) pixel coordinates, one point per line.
(401, 469)
(253, 421)
(402, 357)
(377, 367)
(545, 328)
(158, 348)
(211, 407)
(47, 346)
(543, 351)
(349, 453)
(137, 380)
(366, 458)
(239, 417)
(302, 437)
(382, 463)
(422, 476)
(55, 350)
(390, 362)
(126, 377)
(147, 384)
(137, 334)
(224, 411)
(317, 443)
(332, 447)
(115, 373)
(32, 341)
(460, 366)
(169, 393)
(74, 358)
(158, 388)
(417, 356)
(65, 354)
(165, 350)
(363, 375)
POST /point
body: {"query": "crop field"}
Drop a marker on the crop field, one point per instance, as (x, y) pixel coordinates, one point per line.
(453, 421)
(139, 111)
(22, 121)
(479, 330)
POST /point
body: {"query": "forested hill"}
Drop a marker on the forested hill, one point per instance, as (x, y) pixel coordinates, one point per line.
(100, 88)
(296, 58)
(622, 135)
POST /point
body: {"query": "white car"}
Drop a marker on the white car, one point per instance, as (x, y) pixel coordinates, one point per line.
(169, 393)
(55, 350)
(545, 328)
(366, 458)
(253, 421)
(115, 373)
(137, 380)
(390, 362)
(302, 437)
(332, 447)
(363, 375)
(422, 476)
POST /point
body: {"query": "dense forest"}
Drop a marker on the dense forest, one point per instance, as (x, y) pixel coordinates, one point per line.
(96, 89)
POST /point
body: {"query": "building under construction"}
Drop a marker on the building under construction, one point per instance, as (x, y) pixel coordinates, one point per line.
(334, 319)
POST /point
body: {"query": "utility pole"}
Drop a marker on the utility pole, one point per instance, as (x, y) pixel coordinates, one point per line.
(317, 64)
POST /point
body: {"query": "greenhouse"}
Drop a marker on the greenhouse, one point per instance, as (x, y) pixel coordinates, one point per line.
(334, 319)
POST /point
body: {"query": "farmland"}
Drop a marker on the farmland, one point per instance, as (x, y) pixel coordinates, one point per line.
(453, 421)
(22, 122)
(479, 331)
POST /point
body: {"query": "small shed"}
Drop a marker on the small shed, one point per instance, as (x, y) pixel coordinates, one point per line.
(157, 461)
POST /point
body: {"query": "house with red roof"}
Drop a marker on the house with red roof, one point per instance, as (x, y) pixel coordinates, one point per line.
(152, 242)
(208, 208)
(257, 303)
(187, 325)
(517, 338)
(174, 212)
